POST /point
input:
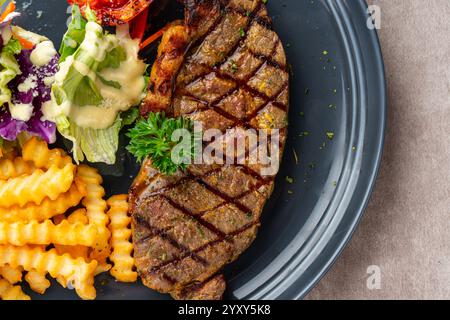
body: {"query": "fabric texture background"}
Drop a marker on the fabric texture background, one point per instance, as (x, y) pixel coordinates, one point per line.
(406, 228)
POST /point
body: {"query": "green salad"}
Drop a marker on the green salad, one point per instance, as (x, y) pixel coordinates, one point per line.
(100, 81)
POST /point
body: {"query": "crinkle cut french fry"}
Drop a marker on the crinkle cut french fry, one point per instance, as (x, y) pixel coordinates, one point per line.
(37, 281)
(102, 266)
(37, 151)
(78, 216)
(122, 248)
(12, 168)
(21, 233)
(78, 251)
(10, 292)
(37, 186)
(94, 203)
(88, 254)
(13, 275)
(82, 251)
(76, 271)
(96, 207)
(75, 251)
(48, 208)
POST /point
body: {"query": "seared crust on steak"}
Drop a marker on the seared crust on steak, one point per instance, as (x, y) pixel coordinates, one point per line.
(212, 289)
(170, 57)
(188, 226)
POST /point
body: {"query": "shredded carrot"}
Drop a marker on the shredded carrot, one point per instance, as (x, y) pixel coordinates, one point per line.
(152, 38)
(27, 45)
(11, 7)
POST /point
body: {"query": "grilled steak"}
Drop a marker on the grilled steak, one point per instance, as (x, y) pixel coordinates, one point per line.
(233, 77)
(209, 290)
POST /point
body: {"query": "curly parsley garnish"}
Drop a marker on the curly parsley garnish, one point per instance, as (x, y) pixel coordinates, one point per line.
(153, 138)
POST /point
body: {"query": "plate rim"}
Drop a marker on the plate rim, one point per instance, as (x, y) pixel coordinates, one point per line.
(305, 268)
(379, 146)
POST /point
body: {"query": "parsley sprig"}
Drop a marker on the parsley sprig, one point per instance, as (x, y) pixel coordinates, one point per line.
(152, 138)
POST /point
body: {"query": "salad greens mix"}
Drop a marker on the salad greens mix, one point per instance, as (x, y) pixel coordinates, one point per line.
(24, 86)
(100, 80)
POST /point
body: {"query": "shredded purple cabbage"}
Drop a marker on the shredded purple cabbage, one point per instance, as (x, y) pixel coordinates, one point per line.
(45, 129)
(37, 95)
(9, 127)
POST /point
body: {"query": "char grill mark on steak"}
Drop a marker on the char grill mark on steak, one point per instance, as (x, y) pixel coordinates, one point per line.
(205, 175)
(193, 254)
(160, 233)
(230, 215)
(266, 61)
(156, 270)
(227, 200)
(185, 253)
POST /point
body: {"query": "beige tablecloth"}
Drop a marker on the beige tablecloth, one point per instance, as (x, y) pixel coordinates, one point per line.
(405, 233)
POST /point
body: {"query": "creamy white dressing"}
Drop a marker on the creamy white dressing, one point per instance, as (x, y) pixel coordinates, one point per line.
(72, 43)
(49, 111)
(28, 84)
(21, 111)
(93, 42)
(48, 81)
(43, 53)
(84, 69)
(129, 75)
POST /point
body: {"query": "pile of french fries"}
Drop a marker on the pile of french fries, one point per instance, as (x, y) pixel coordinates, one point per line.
(54, 221)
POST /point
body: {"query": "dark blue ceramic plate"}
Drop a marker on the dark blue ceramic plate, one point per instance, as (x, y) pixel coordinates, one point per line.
(338, 87)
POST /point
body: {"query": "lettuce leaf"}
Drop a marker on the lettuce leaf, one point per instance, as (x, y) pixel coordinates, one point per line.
(9, 70)
(13, 47)
(74, 35)
(78, 84)
(97, 145)
(78, 87)
(113, 59)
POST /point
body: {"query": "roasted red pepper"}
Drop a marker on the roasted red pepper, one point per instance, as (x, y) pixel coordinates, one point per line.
(138, 25)
(114, 12)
